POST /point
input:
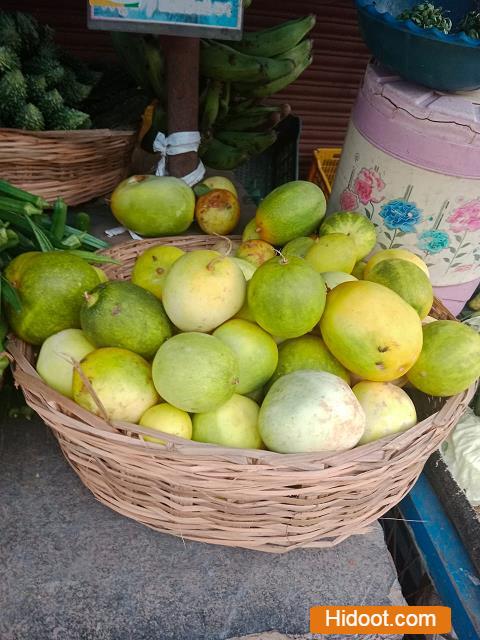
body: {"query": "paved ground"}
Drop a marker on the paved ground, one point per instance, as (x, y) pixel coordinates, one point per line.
(74, 570)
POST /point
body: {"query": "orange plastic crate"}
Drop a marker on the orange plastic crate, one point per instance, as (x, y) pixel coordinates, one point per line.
(324, 166)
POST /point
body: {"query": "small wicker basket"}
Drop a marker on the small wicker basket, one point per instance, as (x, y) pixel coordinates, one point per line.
(76, 165)
(241, 498)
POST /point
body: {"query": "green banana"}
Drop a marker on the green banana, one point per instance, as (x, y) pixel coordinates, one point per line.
(265, 90)
(203, 95)
(155, 65)
(275, 40)
(224, 105)
(240, 106)
(220, 62)
(299, 53)
(131, 49)
(252, 143)
(219, 155)
(211, 105)
(247, 122)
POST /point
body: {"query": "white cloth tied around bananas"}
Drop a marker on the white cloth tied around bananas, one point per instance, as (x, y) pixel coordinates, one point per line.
(172, 145)
(176, 144)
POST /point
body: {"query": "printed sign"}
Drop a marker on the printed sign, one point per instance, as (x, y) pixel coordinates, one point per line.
(197, 18)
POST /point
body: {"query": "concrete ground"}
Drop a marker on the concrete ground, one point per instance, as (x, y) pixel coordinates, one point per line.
(74, 570)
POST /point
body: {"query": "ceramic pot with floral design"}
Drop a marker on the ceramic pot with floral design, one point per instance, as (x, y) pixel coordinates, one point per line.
(411, 164)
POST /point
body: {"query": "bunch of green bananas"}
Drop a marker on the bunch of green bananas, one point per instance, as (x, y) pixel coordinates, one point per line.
(235, 78)
(234, 123)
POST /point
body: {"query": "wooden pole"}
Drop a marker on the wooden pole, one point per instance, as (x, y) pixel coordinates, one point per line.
(182, 85)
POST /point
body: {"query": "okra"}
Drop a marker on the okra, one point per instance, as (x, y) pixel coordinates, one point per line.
(10, 241)
(19, 207)
(17, 221)
(82, 221)
(72, 242)
(25, 242)
(95, 258)
(87, 239)
(19, 194)
(59, 219)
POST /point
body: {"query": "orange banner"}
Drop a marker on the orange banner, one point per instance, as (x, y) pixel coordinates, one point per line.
(386, 620)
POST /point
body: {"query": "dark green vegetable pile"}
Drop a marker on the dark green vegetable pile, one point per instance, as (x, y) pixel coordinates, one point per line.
(41, 86)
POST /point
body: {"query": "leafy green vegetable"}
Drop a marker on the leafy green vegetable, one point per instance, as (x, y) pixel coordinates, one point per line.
(471, 24)
(427, 16)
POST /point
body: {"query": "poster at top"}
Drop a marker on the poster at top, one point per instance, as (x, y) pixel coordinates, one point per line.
(197, 18)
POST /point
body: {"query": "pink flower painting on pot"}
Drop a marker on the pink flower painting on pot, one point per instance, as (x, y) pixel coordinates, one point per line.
(466, 217)
(367, 186)
(348, 200)
(465, 220)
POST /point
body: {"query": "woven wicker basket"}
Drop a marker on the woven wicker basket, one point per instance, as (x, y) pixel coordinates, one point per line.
(76, 165)
(241, 498)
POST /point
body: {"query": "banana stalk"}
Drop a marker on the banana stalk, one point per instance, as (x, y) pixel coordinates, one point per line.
(220, 62)
(276, 40)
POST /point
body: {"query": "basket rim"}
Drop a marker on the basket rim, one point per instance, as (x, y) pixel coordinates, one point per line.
(78, 133)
